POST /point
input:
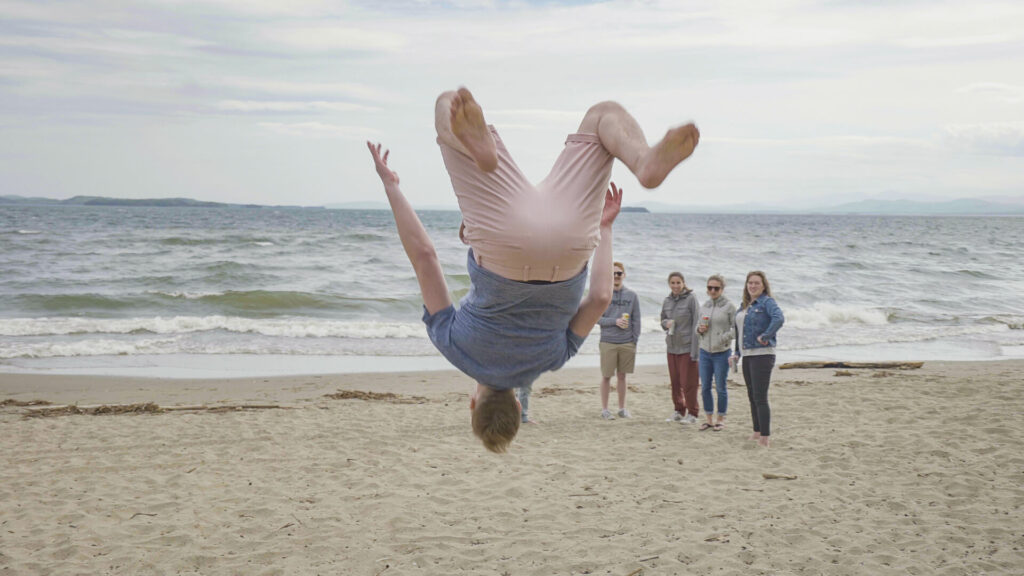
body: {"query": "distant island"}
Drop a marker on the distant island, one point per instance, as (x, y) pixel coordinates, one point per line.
(10, 200)
(635, 209)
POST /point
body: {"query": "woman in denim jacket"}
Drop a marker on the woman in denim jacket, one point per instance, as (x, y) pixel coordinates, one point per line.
(757, 322)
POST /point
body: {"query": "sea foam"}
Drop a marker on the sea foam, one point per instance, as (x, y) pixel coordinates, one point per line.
(283, 327)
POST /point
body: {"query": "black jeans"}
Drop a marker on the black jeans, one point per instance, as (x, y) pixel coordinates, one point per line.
(757, 374)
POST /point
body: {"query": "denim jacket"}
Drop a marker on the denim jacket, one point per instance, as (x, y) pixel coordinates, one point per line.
(764, 318)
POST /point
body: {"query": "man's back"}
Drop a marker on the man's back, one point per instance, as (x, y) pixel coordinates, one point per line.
(506, 333)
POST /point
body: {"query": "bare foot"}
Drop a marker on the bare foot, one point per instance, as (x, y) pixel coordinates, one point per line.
(676, 146)
(469, 127)
(756, 436)
(765, 441)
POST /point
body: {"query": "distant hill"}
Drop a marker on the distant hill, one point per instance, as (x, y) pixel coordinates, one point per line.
(104, 201)
(963, 206)
(9, 200)
(960, 207)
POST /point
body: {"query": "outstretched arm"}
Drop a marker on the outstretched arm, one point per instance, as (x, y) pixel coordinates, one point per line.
(415, 240)
(600, 295)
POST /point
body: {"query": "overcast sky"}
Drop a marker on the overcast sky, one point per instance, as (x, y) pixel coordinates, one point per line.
(271, 101)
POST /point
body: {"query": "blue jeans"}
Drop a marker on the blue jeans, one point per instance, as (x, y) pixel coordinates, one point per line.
(716, 365)
(523, 394)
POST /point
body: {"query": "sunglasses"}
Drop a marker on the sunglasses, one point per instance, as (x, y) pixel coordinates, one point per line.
(617, 274)
(714, 288)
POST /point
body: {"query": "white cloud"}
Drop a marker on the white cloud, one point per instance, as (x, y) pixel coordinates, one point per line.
(279, 106)
(796, 93)
(331, 37)
(1001, 139)
(112, 42)
(284, 87)
(956, 41)
(1006, 93)
(320, 130)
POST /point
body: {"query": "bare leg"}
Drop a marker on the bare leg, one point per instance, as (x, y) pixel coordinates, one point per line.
(460, 123)
(622, 137)
(620, 387)
(606, 384)
(756, 436)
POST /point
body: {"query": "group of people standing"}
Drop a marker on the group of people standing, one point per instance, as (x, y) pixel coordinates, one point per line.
(702, 342)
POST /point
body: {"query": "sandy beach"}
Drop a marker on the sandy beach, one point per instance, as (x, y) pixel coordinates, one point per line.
(896, 472)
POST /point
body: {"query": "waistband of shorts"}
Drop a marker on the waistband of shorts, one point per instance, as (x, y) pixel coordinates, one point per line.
(546, 274)
(583, 137)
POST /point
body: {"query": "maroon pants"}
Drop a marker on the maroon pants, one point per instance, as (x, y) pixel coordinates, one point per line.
(685, 382)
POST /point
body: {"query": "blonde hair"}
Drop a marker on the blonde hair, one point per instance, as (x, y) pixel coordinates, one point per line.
(496, 418)
(620, 265)
(764, 280)
(717, 278)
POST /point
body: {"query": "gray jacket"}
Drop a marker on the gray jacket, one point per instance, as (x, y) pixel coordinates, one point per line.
(721, 312)
(624, 301)
(684, 310)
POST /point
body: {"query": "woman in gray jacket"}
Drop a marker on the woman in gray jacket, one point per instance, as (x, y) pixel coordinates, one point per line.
(679, 314)
(715, 331)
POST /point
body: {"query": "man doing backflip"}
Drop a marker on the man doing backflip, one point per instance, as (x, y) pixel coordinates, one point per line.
(525, 312)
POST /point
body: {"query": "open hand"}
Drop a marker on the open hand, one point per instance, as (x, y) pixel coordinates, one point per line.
(612, 204)
(387, 176)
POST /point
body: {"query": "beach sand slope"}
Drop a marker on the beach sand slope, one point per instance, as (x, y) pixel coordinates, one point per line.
(915, 472)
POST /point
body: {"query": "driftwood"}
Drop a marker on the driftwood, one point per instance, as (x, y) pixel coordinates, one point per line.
(771, 476)
(13, 402)
(375, 396)
(142, 408)
(869, 365)
(46, 411)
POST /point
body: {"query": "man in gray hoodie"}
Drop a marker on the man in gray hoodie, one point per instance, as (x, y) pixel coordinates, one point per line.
(620, 331)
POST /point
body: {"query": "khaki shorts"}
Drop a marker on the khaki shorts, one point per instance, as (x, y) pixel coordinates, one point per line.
(528, 232)
(617, 357)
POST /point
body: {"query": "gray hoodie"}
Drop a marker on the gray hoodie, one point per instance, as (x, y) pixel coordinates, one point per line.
(624, 301)
(721, 313)
(684, 310)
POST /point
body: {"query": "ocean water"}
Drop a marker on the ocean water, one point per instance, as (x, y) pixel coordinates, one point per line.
(115, 289)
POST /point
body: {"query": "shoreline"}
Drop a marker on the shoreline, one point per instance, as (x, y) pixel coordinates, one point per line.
(219, 366)
(293, 389)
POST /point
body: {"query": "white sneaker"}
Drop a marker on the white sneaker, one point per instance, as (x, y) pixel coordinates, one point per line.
(606, 415)
(624, 413)
(689, 419)
(676, 417)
